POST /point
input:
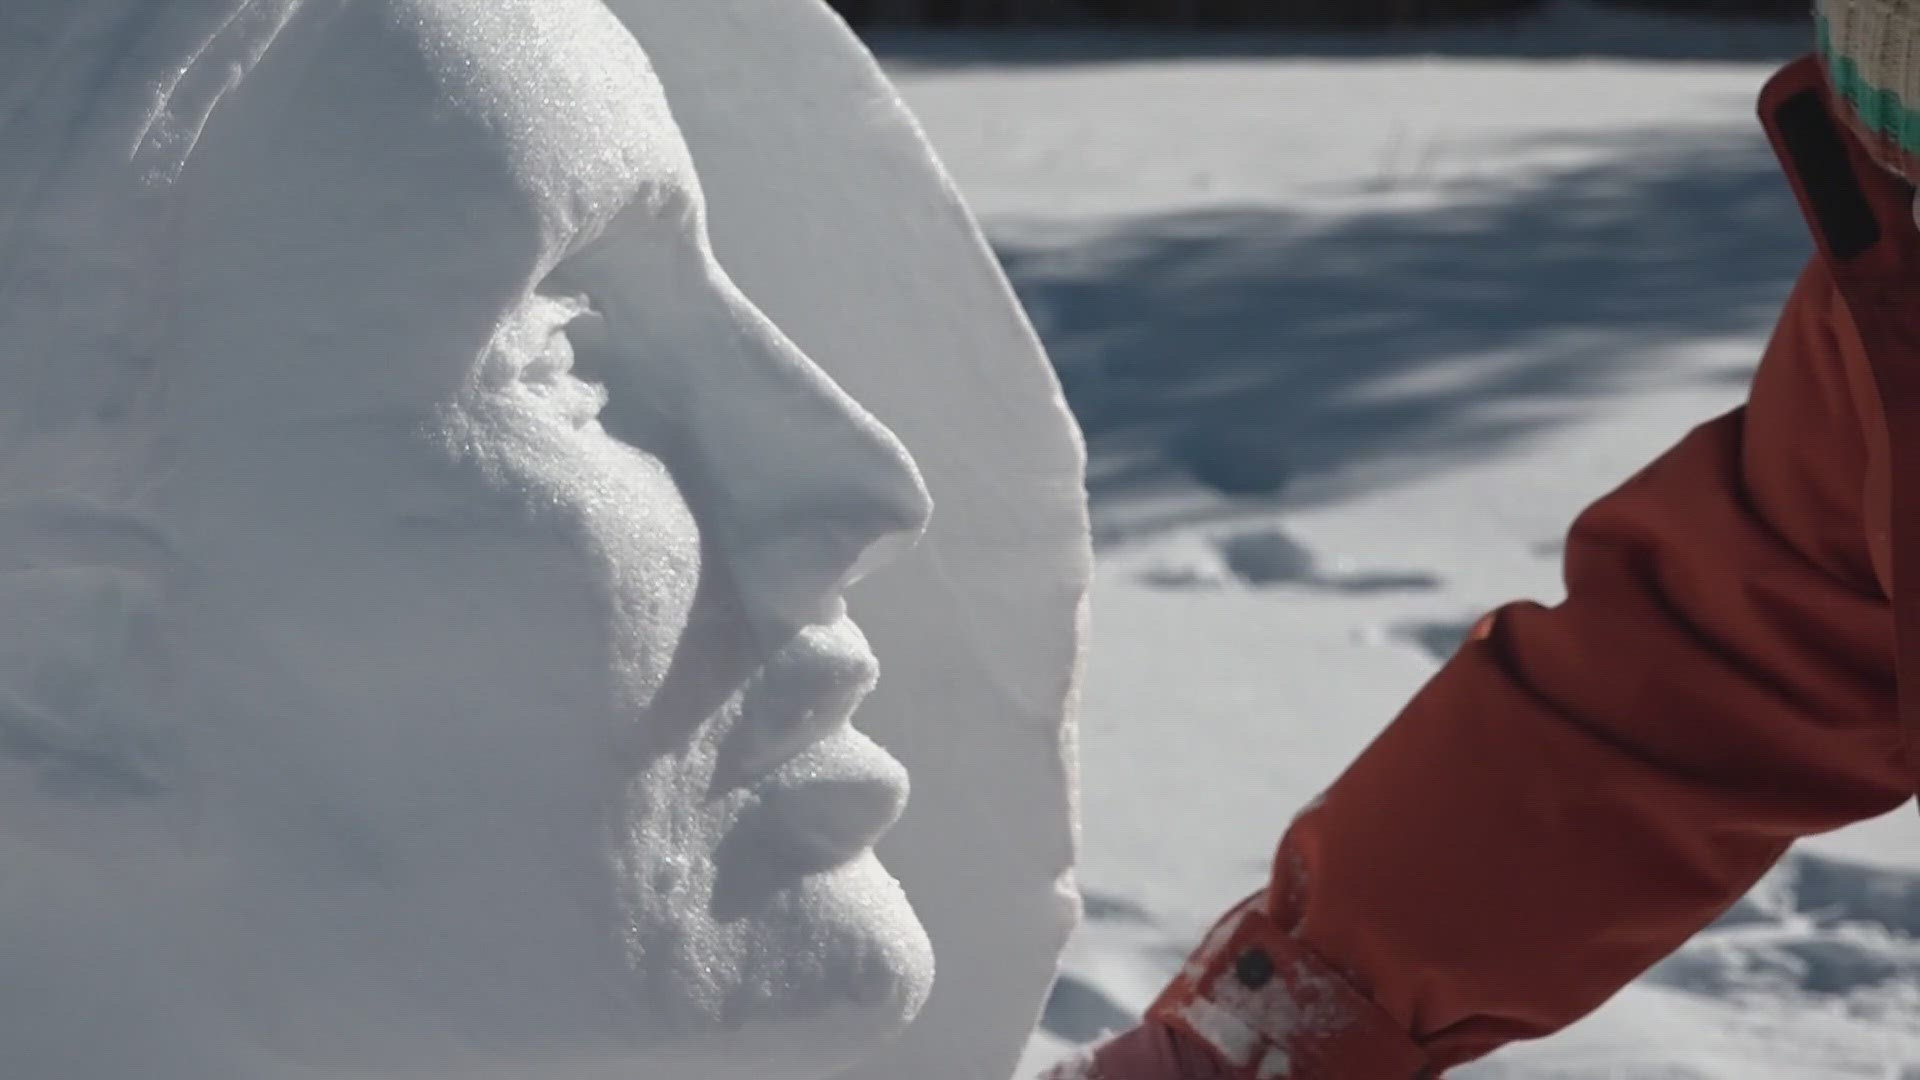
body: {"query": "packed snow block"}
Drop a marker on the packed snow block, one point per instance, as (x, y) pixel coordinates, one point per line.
(831, 210)
(445, 608)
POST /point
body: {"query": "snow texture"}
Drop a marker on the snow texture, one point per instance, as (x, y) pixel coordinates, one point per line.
(439, 593)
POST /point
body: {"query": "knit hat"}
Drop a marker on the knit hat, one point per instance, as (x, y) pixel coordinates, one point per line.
(1871, 51)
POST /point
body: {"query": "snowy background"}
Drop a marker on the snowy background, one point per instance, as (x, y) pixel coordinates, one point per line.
(1355, 325)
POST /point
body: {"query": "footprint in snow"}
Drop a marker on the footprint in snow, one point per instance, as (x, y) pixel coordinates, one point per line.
(1267, 558)
(1107, 907)
(1081, 1013)
(1240, 464)
(1439, 639)
(1812, 928)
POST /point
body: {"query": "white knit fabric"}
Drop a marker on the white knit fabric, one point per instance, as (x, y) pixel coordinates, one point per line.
(1882, 37)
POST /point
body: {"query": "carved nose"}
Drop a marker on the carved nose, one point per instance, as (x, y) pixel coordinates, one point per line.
(798, 489)
(814, 492)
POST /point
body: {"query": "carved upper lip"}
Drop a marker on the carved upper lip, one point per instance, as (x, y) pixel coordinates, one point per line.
(805, 694)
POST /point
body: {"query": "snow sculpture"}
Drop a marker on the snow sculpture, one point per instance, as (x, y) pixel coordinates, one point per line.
(424, 649)
(823, 188)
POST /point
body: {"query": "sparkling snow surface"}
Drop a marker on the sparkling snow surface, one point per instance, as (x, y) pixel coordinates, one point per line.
(1355, 327)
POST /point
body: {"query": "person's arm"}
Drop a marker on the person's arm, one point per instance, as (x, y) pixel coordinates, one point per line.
(1583, 787)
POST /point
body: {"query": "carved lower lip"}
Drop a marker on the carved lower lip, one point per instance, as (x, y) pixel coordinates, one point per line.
(831, 804)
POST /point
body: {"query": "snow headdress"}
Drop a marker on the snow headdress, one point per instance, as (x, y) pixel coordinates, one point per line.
(95, 99)
(1871, 51)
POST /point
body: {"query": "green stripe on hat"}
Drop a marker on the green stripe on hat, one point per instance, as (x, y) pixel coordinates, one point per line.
(1877, 108)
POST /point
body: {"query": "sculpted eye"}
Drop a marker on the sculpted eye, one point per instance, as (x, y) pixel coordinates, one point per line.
(533, 354)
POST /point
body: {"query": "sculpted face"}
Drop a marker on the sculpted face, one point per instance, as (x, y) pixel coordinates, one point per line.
(477, 598)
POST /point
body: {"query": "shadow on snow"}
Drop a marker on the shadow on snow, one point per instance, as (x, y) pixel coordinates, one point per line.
(1292, 359)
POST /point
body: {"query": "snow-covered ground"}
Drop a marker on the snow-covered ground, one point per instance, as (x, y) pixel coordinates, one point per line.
(1355, 328)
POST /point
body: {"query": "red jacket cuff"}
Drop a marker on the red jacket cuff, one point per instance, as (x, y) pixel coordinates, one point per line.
(1272, 1010)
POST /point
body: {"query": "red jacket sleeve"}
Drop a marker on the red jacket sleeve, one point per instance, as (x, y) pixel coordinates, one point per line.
(1583, 787)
